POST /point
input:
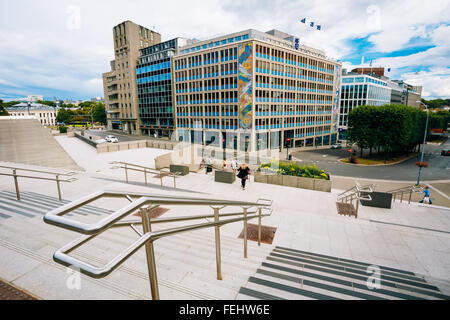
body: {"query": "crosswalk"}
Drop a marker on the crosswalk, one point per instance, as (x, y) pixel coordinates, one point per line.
(294, 274)
(34, 204)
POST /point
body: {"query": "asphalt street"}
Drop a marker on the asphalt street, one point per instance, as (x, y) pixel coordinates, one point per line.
(327, 159)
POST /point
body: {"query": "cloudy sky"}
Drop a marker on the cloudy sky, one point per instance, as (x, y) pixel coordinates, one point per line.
(60, 48)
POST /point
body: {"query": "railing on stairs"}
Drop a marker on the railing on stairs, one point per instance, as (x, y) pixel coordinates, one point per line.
(41, 172)
(146, 170)
(405, 190)
(143, 203)
(355, 193)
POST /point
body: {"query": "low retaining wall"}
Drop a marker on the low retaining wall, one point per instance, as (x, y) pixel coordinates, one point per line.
(294, 182)
(129, 145)
(87, 140)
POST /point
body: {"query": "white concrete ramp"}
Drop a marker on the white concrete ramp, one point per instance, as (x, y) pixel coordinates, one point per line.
(26, 141)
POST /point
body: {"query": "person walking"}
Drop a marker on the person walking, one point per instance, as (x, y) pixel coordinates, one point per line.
(234, 165)
(243, 174)
(224, 164)
(426, 196)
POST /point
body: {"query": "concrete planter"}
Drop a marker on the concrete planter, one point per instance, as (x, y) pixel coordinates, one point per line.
(183, 170)
(294, 182)
(224, 176)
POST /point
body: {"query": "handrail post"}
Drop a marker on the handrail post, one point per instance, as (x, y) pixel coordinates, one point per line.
(59, 188)
(150, 252)
(16, 183)
(126, 173)
(218, 255)
(161, 177)
(401, 197)
(410, 194)
(174, 181)
(259, 226)
(145, 174)
(245, 232)
(357, 204)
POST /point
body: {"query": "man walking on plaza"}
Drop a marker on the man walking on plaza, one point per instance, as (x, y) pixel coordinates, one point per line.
(426, 197)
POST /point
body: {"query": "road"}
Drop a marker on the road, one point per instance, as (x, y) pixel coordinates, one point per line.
(119, 136)
(327, 159)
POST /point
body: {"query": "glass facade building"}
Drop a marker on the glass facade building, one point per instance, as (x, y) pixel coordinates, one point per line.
(154, 82)
(358, 90)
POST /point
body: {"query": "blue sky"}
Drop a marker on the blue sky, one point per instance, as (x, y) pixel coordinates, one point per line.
(61, 48)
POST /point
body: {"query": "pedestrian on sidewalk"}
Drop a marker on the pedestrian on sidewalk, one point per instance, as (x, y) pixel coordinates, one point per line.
(234, 165)
(224, 164)
(426, 196)
(209, 165)
(243, 174)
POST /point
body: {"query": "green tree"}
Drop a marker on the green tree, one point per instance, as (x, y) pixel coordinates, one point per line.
(359, 127)
(64, 116)
(99, 113)
(47, 103)
(3, 111)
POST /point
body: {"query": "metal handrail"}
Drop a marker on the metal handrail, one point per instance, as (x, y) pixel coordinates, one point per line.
(57, 179)
(401, 191)
(134, 167)
(354, 193)
(144, 203)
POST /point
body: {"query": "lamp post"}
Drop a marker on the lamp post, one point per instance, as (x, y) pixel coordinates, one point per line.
(424, 141)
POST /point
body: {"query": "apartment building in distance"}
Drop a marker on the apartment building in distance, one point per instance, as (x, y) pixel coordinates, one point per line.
(119, 84)
(253, 91)
(46, 115)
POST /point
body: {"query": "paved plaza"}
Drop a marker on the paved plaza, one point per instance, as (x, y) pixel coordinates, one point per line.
(414, 238)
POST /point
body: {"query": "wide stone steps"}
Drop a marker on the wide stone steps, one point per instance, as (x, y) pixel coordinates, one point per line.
(33, 204)
(185, 262)
(296, 274)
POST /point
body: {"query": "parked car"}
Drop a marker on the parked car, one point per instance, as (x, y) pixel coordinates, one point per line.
(336, 146)
(111, 139)
(445, 152)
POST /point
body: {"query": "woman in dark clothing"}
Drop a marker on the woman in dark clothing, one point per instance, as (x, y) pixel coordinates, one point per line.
(244, 171)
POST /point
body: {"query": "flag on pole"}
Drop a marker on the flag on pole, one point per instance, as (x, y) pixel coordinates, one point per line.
(371, 62)
(319, 27)
(303, 20)
(312, 24)
(362, 61)
(389, 69)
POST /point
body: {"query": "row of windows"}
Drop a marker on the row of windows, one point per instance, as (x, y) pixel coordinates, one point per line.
(216, 43)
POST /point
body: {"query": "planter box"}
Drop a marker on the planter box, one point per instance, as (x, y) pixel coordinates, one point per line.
(379, 200)
(294, 182)
(183, 170)
(224, 176)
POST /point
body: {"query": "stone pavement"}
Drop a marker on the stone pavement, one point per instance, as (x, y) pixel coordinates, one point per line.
(408, 237)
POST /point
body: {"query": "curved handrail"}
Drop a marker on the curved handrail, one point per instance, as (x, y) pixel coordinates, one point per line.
(56, 216)
(61, 256)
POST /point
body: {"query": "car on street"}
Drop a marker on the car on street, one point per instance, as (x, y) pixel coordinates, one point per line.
(336, 146)
(111, 139)
(445, 152)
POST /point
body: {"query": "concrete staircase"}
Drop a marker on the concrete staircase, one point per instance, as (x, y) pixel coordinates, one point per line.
(185, 263)
(294, 274)
(27, 141)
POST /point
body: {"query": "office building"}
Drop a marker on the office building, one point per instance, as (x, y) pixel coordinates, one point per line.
(154, 82)
(409, 94)
(251, 91)
(35, 98)
(119, 85)
(358, 90)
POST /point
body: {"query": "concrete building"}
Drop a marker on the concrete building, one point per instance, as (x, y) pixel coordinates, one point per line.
(410, 94)
(358, 90)
(45, 114)
(252, 91)
(119, 85)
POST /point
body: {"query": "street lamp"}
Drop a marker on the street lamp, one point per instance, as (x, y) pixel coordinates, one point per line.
(424, 141)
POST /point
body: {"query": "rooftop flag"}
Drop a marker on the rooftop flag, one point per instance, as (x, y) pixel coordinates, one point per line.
(312, 24)
(319, 27)
(303, 20)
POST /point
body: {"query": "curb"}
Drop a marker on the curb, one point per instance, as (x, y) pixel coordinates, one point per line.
(377, 165)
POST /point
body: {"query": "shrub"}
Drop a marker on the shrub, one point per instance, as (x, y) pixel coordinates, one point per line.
(62, 129)
(293, 169)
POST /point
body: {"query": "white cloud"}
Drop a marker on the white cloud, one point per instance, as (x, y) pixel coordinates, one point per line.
(43, 43)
